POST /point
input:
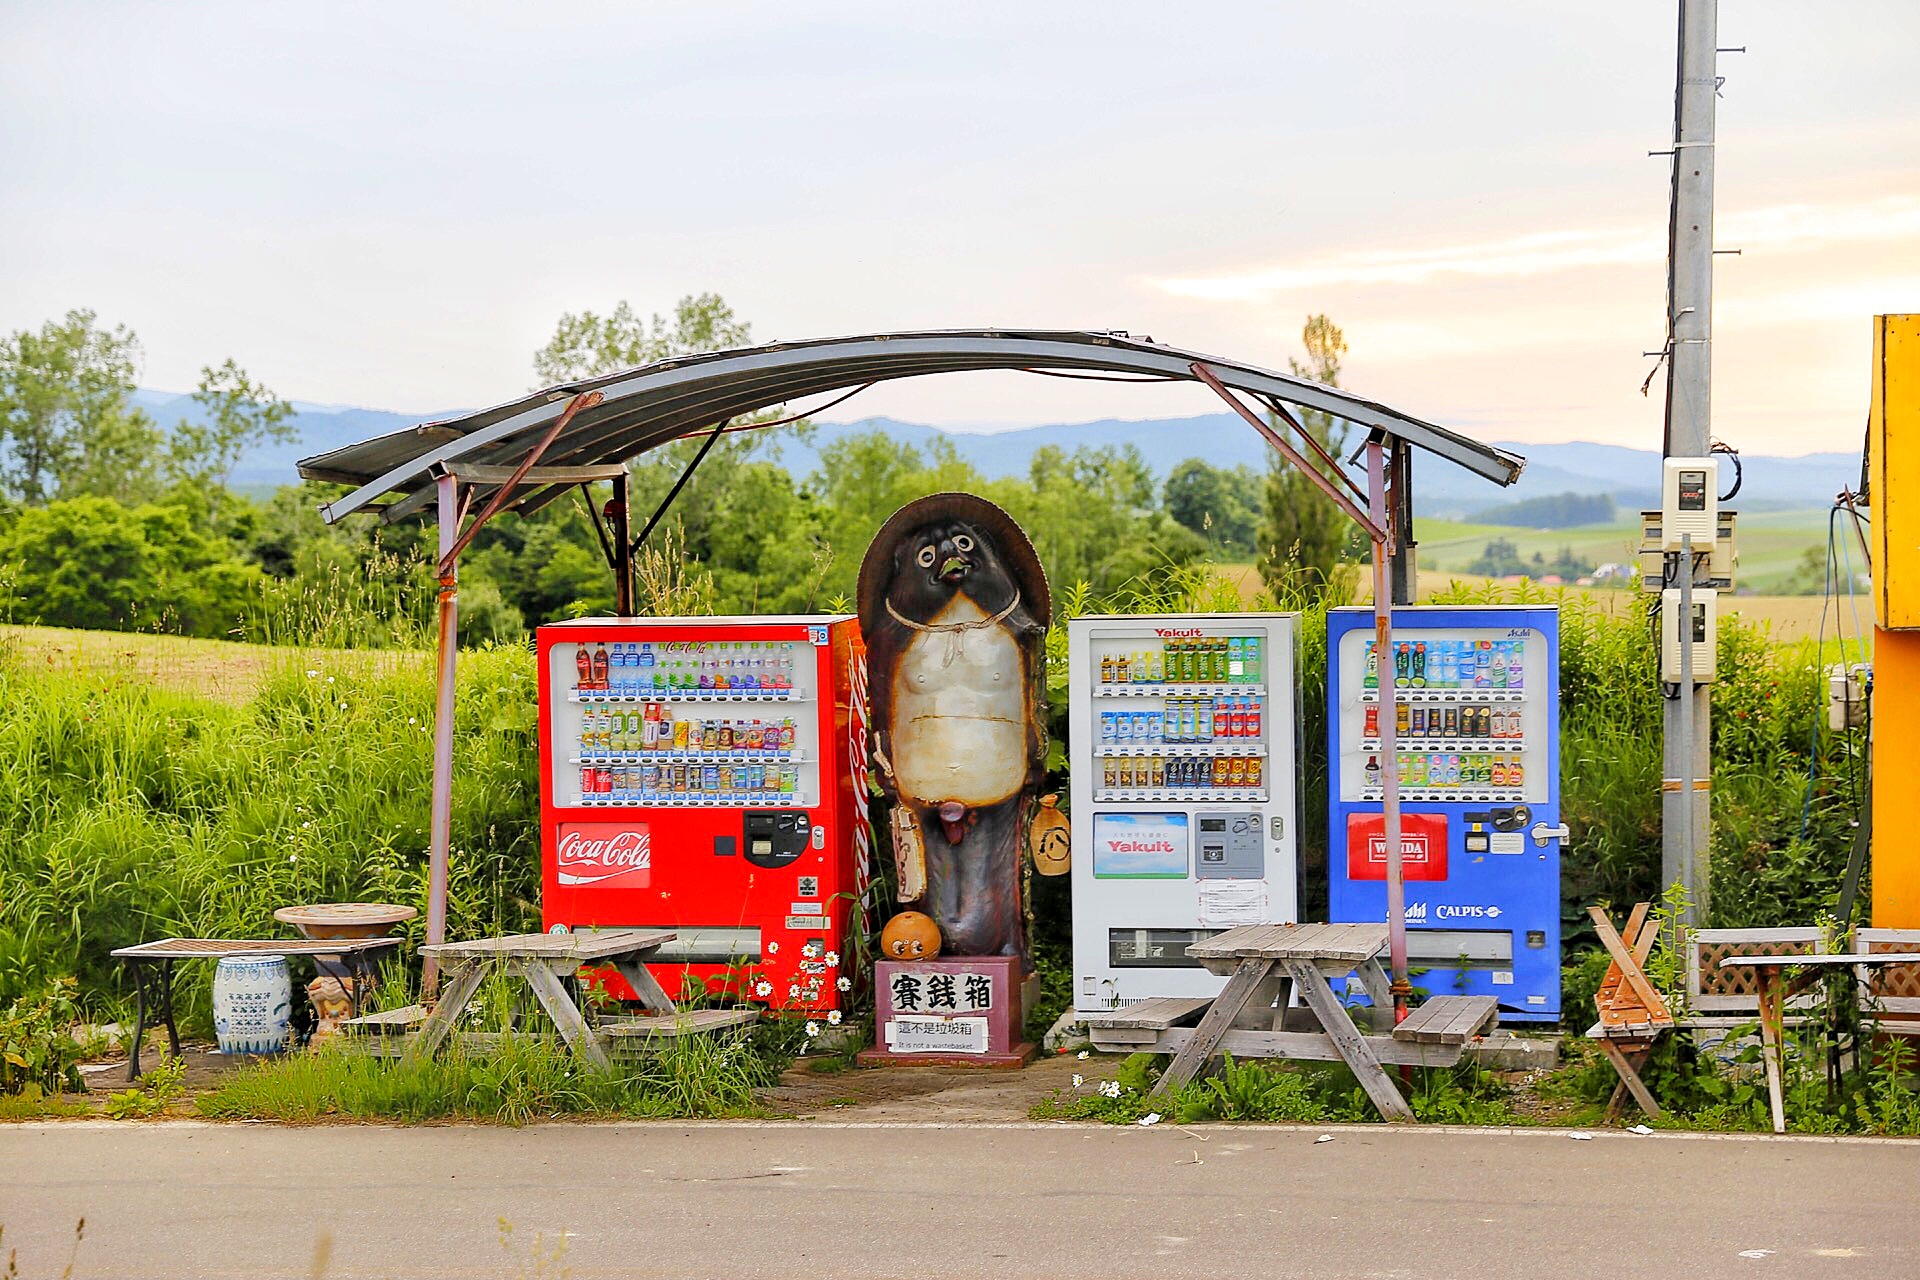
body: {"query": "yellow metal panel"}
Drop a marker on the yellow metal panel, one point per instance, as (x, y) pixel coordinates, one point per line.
(1893, 458)
(1893, 466)
(1896, 750)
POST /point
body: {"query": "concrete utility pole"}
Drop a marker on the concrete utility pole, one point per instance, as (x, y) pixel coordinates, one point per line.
(1686, 774)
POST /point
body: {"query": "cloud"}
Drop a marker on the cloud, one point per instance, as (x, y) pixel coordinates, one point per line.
(1780, 228)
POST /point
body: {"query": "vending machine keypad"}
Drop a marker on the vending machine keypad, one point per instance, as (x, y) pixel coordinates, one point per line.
(1229, 846)
(776, 837)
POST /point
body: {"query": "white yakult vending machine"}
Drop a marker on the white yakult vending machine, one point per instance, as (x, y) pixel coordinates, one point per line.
(1182, 733)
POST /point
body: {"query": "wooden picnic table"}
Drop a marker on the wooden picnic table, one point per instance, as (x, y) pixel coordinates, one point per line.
(1265, 964)
(542, 960)
(151, 966)
(1775, 989)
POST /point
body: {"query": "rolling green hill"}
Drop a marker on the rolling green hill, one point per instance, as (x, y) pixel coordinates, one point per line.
(1771, 543)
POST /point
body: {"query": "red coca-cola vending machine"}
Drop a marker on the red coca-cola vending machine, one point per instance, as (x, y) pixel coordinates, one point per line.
(707, 775)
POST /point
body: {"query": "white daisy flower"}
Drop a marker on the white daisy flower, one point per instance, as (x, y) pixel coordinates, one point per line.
(833, 1017)
(845, 984)
(1084, 1054)
(773, 948)
(813, 1029)
(1110, 1088)
(793, 991)
(833, 959)
(1079, 1080)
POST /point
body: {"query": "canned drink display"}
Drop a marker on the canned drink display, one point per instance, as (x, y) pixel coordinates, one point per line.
(1158, 772)
(1109, 773)
(1254, 767)
(1236, 771)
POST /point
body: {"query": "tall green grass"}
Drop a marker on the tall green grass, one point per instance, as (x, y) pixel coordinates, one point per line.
(520, 1078)
(129, 812)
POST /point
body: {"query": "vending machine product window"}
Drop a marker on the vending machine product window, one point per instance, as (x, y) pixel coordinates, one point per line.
(706, 775)
(1474, 692)
(1182, 734)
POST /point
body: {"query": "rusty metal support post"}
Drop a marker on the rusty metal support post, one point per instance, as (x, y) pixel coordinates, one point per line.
(445, 656)
(1382, 519)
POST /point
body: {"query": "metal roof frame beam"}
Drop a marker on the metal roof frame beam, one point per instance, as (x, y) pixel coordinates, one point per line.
(664, 401)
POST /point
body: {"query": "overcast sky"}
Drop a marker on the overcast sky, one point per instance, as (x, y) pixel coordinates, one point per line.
(391, 204)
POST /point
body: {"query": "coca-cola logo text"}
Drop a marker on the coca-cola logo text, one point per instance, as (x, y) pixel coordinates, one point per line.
(592, 852)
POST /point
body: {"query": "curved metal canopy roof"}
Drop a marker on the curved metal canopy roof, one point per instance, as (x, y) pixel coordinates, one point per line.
(649, 406)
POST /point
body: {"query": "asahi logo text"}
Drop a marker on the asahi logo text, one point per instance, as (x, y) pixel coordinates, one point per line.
(589, 852)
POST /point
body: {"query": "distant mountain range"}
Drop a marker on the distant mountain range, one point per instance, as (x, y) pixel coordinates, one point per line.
(1630, 476)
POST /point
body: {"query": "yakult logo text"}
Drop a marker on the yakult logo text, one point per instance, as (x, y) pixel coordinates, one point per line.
(1177, 633)
(590, 852)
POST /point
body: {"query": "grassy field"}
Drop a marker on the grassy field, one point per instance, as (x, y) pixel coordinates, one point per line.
(1786, 618)
(223, 670)
(1770, 543)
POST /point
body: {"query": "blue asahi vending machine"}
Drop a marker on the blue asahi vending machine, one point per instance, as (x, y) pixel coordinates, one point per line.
(1477, 722)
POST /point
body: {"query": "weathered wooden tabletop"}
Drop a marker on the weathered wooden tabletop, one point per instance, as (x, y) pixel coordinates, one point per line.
(595, 944)
(220, 948)
(1352, 942)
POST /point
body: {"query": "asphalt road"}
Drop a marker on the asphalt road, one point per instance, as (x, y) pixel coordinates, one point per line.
(745, 1200)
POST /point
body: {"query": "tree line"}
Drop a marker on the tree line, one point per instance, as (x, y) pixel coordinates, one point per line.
(108, 521)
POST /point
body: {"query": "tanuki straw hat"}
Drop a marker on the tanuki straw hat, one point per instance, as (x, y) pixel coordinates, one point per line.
(1010, 540)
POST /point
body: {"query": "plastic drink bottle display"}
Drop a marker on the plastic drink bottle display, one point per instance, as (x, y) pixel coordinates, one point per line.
(1370, 679)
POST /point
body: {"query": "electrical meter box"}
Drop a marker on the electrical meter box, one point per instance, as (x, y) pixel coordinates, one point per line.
(1182, 732)
(1689, 503)
(1705, 619)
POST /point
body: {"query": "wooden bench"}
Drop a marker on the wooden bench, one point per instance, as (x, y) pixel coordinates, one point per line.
(1142, 1022)
(672, 1026)
(391, 1022)
(1449, 1020)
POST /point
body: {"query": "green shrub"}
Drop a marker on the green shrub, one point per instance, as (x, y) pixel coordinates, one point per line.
(38, 1051)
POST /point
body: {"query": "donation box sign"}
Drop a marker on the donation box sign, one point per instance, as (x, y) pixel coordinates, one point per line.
(961, 1010)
